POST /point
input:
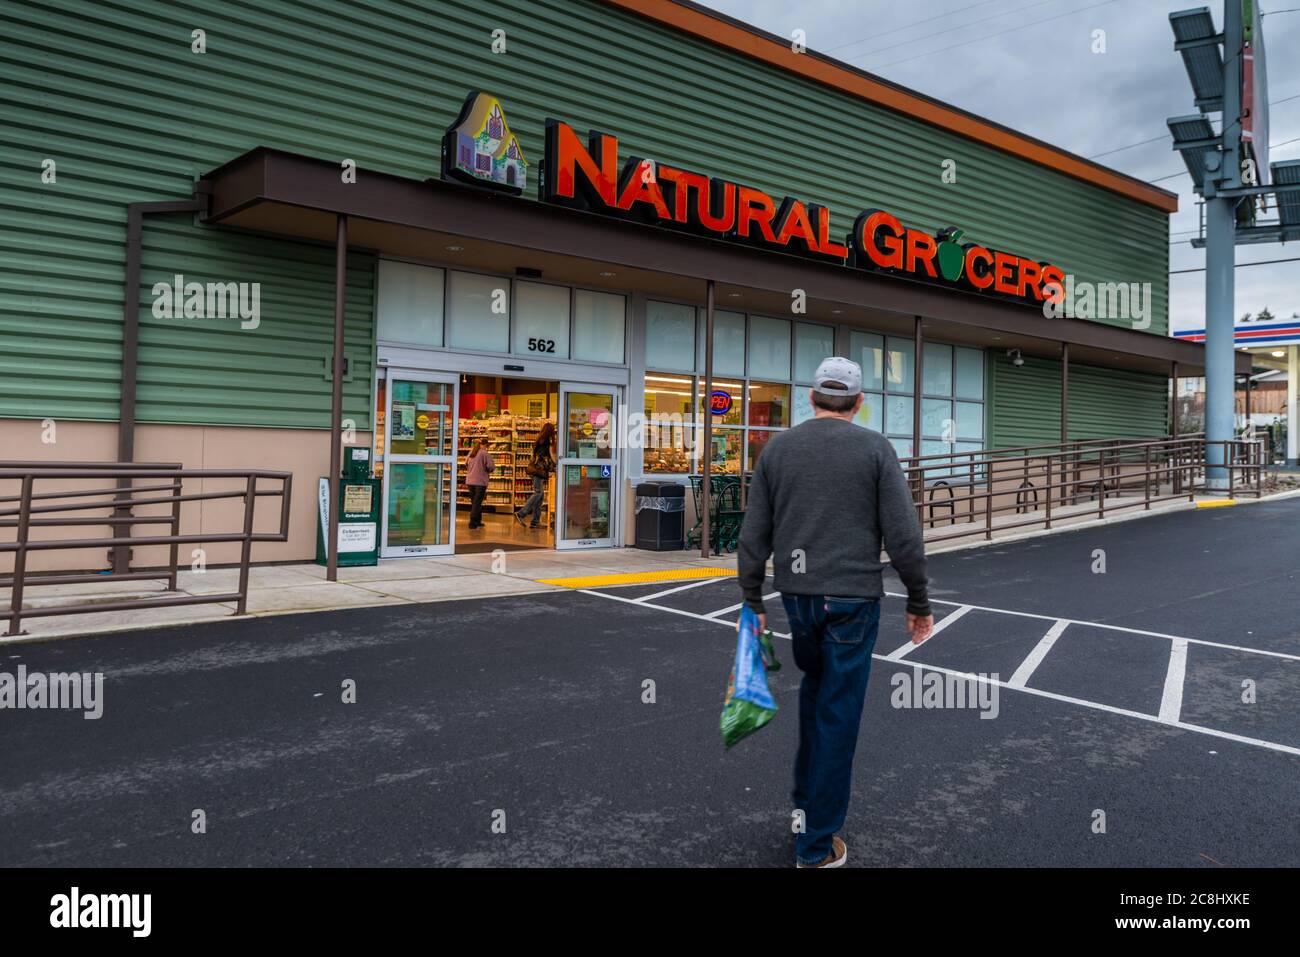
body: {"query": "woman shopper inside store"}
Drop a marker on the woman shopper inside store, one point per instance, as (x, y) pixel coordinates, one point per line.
(540, 469)
(481, 464)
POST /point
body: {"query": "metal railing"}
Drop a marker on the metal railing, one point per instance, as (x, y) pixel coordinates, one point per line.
(977, 493)
(40, 504)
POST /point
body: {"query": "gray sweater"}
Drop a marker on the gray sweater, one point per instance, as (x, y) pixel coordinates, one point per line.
(824, 495)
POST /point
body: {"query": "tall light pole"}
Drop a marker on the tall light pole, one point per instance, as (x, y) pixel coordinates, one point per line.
(1222, 171)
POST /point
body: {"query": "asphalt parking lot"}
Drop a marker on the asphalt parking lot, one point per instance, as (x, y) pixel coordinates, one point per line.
(1161, 697)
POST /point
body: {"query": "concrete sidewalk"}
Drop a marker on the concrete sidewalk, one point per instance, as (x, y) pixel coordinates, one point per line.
(283, 589)
(280, 589)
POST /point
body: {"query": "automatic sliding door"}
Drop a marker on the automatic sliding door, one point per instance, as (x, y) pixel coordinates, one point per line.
(419, 465)
(587, 474)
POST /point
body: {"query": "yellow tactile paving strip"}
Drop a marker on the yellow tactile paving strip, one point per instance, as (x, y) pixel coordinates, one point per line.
(640, 578)
(1216, 503)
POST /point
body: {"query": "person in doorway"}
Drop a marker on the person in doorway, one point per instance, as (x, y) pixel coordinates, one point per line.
(479, 465)
(824, 495)
(539, 468)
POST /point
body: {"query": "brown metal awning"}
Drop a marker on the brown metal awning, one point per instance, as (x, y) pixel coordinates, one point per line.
(285, 194)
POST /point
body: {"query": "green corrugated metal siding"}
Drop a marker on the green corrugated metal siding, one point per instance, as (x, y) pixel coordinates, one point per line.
(1025, 407)
(210, 371)
(111, 90)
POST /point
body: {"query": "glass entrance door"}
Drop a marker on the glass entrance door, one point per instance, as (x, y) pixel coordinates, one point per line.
(419, 464)
(587, 471)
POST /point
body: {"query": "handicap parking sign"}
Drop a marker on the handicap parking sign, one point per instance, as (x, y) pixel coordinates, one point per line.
(604, 471)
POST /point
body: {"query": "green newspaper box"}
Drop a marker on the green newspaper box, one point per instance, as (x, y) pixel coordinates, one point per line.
(359, 501)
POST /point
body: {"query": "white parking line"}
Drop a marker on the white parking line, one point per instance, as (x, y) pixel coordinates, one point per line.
(903, 650)
(1171, 702)
(1098, 624)
(672, 591)
(1036, 692)
(737, 607)
(1021, 676)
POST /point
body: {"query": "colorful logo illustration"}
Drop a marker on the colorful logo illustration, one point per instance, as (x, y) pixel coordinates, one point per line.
(951, 255)
(480, 149)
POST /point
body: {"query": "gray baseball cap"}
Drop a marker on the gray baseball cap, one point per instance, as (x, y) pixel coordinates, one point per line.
(846, 373)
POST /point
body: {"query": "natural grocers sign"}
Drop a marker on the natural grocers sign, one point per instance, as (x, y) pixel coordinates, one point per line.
(480, 149)
(589, 176)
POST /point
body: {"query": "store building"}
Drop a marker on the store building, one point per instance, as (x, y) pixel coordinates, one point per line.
(504, 264)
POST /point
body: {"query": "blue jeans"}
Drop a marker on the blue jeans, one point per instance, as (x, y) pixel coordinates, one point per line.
(534, 503)
(833, 641)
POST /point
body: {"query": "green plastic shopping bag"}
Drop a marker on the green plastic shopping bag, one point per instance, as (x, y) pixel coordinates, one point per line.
(749, 703)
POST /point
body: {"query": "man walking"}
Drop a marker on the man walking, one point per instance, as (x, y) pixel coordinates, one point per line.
(824, 495)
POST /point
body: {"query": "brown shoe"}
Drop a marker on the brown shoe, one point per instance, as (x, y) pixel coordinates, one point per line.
(836, 858)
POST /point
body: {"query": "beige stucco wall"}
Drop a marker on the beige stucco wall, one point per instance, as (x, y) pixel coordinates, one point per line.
(302, 452)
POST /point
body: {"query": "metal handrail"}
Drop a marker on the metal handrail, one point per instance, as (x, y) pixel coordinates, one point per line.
(120, 498)
(1100, 471)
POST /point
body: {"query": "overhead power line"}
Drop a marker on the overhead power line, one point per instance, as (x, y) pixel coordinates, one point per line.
(990, 36)
(963, 26)
(1164, 136)
(1183, 172)
(1264, 262)
(908, 26)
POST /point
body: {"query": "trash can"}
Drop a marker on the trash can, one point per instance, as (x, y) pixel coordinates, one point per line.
(660, 516)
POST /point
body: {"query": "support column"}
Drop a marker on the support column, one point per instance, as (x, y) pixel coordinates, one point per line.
(1065, 392)
(1220, 260)
(1173, 401)
(1248, 427)
(1292, 406)
(336, 398)
(918, 347)
(1220, 372)
(706, 409)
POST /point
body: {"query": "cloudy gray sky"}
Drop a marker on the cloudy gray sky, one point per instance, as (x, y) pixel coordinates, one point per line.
(1029, 65)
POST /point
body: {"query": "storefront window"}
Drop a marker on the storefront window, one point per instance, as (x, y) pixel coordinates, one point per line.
(728, 343)
(769, 404)
(936, 419)
(936, 369)
(898, 414)
(868, 350)
(541, 325)
(769, 347)
(478, 312)
(758, 439)
(763, 404)
(970, 420)
(669, 449)
(599, 324)
(899, 364)
(812, 344)
(727, 445)
(668, 395)
(409, 306)
(669, 441)
(970, 373)
(670, 336)
(733, 389)
(803, 407)
(872, 413)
